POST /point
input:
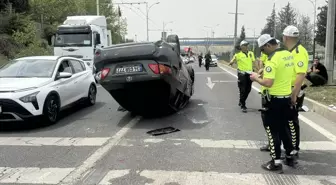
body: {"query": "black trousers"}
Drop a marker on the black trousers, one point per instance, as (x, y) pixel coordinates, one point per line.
(294, 128)
(316, 79)
(244, 86)
(276, 123)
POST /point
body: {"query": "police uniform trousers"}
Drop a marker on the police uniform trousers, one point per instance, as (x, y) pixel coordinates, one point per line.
(294, 127)
(244, 86)
(276, 118)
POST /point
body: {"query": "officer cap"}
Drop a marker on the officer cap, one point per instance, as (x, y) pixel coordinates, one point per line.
(291, 31)
(244, 42)
(264, 39)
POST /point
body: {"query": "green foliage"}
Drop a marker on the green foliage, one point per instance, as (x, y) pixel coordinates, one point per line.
(34, 49)
(306, 35)
(19, 35)
(287, 16)
(242, 35)
(270, 23)
(321, 32)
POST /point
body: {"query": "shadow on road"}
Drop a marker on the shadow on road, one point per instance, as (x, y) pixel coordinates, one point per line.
(66, 117)
(191, 117)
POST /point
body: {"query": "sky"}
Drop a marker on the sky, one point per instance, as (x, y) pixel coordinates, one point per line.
(189, 18)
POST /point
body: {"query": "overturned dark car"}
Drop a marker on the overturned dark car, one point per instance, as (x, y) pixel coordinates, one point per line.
(146, 78)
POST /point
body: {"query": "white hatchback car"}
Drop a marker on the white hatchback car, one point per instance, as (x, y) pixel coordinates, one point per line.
(43, 86)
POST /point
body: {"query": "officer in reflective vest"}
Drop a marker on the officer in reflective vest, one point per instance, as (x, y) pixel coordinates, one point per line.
(301, 58)
(263, 59)
(244, 59)
(276, 79)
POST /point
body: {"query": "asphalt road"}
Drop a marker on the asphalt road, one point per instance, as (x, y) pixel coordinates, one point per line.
(216, 145)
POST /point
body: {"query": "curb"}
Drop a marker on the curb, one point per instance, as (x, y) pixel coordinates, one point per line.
(313, 105)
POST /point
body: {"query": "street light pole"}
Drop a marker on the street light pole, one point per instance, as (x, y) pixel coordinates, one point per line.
(147, 17)
(329, 52)
(97, 6)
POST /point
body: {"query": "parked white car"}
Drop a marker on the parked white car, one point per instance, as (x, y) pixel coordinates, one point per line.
(43, 86)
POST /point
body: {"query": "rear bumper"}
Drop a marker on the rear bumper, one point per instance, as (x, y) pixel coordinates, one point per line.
(12, 111)
(124, 81)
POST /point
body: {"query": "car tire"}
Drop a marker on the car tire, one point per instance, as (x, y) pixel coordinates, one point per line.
(92, 95)
(51, 109)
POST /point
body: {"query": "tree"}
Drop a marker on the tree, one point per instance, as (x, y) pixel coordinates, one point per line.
(321, 31)
(305, 27)
(242, 35)
(18, 6)
(270, 23)
(54, 12)
(287, 16)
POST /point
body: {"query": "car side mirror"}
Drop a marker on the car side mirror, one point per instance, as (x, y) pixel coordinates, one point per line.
(97, 41)
(63, 75)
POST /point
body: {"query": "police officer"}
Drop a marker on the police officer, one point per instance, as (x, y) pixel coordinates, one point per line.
(207, 61)
(262, 60)
(301, 58)
(244, 59)
(276, 79)
(200, 58)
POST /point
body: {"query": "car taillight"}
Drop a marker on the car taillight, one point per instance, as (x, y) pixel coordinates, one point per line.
(160, 69)
(97, 53)
(104, 73)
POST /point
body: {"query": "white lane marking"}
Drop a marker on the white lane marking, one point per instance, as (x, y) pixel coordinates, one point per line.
(160, 177)
(317, 127)
(223, 81)
(209, 73)
(228, 144)
(33, 175)
(309, 122)
(90, 162)
(209, 83)
(52, 141)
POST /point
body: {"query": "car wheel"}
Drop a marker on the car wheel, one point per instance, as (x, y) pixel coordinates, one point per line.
(92, 95)
(51, 109)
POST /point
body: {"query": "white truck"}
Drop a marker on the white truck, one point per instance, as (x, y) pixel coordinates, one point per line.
(79, 36)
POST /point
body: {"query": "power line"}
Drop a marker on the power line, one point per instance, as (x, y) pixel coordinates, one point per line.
(145, 15)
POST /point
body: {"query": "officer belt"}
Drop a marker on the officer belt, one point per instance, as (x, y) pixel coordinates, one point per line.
(244, 72)
(280, 97)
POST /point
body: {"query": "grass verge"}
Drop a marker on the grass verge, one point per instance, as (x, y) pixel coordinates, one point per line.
(325, 94)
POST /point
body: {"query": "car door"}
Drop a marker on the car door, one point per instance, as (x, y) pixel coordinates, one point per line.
(65, 86)
(81, 80)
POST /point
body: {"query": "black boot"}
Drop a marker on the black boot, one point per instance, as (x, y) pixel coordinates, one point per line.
(271, 166)
(290, 161)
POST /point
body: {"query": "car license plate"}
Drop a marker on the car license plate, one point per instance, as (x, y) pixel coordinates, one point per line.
(129, 69)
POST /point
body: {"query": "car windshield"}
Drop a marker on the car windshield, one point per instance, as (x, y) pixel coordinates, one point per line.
(213, 56)
(73, 39)
(28, 68)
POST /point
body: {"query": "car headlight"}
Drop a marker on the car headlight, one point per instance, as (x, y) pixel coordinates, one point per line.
(30, 97)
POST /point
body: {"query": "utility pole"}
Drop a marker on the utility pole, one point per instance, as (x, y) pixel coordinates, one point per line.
(97, 6)
(329, 52)
(236, 25)
(314, 30)
(147, 11)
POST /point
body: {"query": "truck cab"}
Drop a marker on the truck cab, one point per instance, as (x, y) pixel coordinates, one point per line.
(80, 36)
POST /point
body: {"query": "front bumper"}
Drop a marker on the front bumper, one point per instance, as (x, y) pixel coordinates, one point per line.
(13, 111)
